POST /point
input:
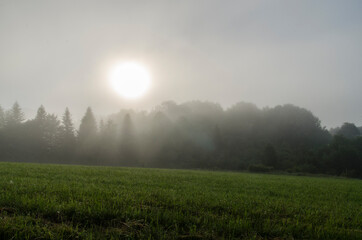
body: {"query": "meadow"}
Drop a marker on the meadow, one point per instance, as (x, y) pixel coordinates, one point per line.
(82, 202)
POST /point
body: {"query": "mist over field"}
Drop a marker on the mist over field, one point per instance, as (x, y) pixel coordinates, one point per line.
(161, 119)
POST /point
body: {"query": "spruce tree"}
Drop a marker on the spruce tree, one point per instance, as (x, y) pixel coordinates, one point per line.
(88, 127)
(39, 124)
(87, 138)
(15, 115)
(67, 126)
(67, 139)
(41, 115)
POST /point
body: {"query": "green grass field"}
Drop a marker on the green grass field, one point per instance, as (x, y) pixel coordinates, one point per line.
(77, 202)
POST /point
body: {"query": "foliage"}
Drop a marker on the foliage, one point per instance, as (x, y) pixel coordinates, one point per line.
(349, 130)
(270, 156)
(194, 134)
(14, 116)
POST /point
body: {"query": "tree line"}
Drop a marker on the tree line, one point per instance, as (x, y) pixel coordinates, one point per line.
(193, 134)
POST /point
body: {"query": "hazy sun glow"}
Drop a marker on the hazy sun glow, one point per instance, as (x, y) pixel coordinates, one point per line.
(130, 79)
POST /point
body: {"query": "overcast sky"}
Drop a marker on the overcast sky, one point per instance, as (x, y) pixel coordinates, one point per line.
(308, 53)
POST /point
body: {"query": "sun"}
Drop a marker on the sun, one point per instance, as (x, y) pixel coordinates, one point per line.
(130, 80)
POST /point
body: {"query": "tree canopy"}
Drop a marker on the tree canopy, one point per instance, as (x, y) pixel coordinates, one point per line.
(194, 134)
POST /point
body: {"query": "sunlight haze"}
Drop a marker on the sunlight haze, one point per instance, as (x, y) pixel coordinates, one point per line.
(181, 119)
(130, 80)
(307, 53)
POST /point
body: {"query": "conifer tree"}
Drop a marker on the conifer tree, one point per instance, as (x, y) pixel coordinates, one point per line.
(43, 135)
(15, 115)
(51, 131)
(87, 138)
(67, 139)
(39, 124)
(67, 126)
(88, 127)
(41, 114)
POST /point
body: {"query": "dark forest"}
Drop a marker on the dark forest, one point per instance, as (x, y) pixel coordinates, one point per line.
(191, 135)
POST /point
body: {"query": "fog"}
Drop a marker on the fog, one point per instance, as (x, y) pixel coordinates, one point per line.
(308, 53)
